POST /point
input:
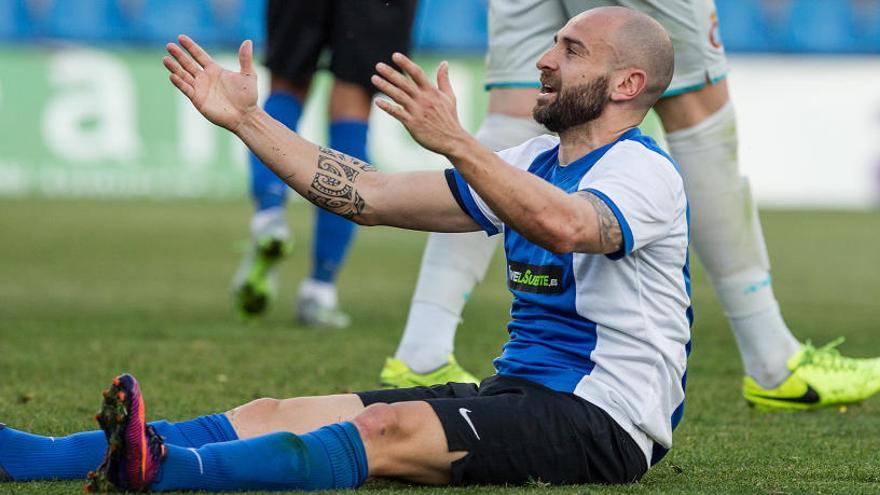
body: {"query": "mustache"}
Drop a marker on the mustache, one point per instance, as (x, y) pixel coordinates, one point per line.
(549, 80)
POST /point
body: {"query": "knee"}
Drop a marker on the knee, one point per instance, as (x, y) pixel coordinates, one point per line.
(378, 421)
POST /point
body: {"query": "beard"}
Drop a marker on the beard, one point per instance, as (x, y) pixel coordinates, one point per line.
(574, 106)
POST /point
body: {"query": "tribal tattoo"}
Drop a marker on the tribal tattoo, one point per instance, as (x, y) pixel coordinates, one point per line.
(610, 236)
(334, 187)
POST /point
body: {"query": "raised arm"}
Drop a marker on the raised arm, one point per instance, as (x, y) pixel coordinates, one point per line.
(543, 213)
(329, 179)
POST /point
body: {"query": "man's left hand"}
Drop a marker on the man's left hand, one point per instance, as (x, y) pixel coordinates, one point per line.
(428, 112)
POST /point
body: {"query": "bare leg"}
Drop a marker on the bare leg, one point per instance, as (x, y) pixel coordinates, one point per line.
(689, 109)
(402, 440)
(278, 82)
(297, 415)
(406, 440)
(349, 101)
(317, 304)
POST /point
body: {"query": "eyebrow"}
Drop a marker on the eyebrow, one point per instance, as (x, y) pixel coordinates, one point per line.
(571, 41)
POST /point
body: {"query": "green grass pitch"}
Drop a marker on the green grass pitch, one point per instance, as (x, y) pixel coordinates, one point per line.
(90, 289)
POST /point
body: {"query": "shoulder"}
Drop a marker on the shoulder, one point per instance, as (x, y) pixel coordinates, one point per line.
(643, 161)
(522, 155)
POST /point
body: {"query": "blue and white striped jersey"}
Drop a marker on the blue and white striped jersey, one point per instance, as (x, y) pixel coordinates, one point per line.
(612, 329)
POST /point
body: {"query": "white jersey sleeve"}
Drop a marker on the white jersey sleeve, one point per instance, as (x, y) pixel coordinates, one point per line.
(642, 188)
(520, 157)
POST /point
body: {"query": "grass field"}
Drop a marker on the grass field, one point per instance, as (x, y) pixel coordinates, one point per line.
(89, 289)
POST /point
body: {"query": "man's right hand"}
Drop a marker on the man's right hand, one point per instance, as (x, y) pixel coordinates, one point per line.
(224, 97)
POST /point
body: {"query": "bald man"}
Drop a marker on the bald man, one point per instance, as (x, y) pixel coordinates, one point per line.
(700, 125)
(591, 383)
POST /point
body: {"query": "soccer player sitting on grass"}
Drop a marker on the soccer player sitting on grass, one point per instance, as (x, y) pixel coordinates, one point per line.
(591, 383)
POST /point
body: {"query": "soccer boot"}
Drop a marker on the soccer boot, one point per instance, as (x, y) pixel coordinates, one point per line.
(256, 280)
(396, 374)
(134, 449)
(820, 377)
(316, 306)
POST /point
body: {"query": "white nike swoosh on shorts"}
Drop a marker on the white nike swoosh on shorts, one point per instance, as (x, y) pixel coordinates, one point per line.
(464, 414)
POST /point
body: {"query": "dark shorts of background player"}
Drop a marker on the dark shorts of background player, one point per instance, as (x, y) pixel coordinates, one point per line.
(516, 431)
(358, 33)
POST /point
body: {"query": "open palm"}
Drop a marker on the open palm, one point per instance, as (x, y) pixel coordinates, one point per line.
(224, 97)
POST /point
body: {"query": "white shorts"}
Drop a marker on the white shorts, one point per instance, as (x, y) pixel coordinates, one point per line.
(520, 31)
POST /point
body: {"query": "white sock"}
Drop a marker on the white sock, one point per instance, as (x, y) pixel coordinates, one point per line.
(429, 347)
(499, 132)
(269, 223)
(726, 234)
(322, 292)
(452, 266)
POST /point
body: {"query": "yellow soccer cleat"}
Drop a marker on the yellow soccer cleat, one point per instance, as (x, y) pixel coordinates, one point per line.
(396, 374)
(820, 377)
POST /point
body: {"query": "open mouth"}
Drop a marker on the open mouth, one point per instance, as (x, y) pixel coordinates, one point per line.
(547, 89)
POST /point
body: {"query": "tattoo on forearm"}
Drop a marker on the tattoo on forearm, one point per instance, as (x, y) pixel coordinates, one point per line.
(610, 236)
(334, 186)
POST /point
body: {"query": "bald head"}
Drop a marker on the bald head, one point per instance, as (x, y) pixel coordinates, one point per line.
(635, 40)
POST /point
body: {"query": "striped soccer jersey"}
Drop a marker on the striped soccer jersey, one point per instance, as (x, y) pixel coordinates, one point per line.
(612, 329)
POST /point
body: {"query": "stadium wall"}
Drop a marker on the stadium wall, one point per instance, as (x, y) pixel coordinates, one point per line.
(80, 122)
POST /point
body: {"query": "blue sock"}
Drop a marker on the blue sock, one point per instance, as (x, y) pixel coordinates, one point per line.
(197, 432)
(267, 189)
(27, 457)
(332, 457)
(333, 234)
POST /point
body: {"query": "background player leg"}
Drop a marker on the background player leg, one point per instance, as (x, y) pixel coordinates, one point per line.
(317, 305)
(726, 233)
(255, 281)
(453, 264)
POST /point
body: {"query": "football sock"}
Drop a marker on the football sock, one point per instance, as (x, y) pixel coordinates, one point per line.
(28, 457)
(331, 457)
(323, 292)
(726, 234)
(499, 132)
(197, 432)
(271, 223)
(452, 265)
(267, 189)
(333, 233)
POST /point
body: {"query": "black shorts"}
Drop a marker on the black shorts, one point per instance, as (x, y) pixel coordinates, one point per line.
(516, 431)
(358, 33)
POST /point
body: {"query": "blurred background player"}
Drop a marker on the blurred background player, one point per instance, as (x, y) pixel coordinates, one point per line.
(358, 34)
(698, 118)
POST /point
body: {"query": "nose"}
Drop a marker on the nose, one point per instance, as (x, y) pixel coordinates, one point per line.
(546, 62)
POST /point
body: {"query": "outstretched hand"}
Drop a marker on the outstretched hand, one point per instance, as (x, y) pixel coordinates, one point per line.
(428, 112)
(224, 97)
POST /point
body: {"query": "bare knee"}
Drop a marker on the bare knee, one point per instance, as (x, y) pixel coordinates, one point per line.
(406, 440)
(300, 89)
(378, 421)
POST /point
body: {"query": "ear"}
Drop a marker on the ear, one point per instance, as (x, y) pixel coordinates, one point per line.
(628, 84)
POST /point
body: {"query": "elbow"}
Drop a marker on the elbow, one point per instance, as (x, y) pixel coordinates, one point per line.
(560, 246)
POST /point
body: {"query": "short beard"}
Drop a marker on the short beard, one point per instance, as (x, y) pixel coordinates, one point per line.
(575, 106)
